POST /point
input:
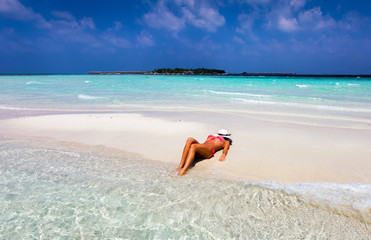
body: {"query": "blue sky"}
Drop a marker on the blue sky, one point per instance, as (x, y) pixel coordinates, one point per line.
(298, 36)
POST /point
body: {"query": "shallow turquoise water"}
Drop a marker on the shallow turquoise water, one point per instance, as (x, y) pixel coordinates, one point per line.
(120, 91)
(48, 191)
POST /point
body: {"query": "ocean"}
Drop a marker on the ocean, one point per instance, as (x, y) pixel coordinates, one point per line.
(48, 190)
(343, 101)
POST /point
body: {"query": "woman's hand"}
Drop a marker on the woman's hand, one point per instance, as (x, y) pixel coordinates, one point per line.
(226, 145)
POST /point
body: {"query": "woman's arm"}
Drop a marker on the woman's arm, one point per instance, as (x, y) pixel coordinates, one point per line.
(225, 150)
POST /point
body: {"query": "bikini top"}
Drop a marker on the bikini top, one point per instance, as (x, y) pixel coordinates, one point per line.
(213, 137)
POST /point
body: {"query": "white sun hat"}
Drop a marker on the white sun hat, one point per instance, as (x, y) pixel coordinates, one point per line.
(223, 133)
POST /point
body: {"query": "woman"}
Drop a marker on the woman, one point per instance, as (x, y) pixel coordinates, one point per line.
(206, 150)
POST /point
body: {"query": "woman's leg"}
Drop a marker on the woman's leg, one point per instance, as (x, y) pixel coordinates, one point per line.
(187, 146)
(203, 150)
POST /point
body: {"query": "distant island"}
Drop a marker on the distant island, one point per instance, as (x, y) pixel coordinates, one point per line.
(207, 71)
(191, 71)
(168, 71)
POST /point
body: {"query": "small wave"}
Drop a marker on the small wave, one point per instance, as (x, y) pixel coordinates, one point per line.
(349, 199)
(316, 99)
(342, 109)
(237, 93)
(319, 107)
(302, 85)
(87, 97)
(353, 84)
(10, 108)
(265, 102)
(86, 81)
(33, 82)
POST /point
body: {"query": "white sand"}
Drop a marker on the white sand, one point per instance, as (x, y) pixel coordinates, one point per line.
(262, 150)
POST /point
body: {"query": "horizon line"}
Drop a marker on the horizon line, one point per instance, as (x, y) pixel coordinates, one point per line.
(273, 74)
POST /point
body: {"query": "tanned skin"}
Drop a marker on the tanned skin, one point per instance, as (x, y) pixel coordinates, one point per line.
(205, 150)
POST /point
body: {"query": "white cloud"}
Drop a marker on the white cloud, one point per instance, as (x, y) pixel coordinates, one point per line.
(117, 41)
(162, 17)
(13, 9)
(293, 16)
(246, 24)
(297, 3)
(87, 22)
(353, 21)
(11, 42)
(314, 19)
(67, 23)
(63, 15)
(190, 3)
(174, 16)
(206, 45)
(117, 25)
(256, 2)
(280, 14)
(145, 39)
(287, 24)
(204, 17)
(238, 40)
(247, 20)
(64, 28)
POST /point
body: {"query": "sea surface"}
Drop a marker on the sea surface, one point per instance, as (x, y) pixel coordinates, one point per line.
(49, 190)
(345, 101)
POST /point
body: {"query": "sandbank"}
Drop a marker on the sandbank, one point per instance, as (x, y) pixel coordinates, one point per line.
(262, 150)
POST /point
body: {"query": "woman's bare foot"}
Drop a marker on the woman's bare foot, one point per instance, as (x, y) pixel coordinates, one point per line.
(173, 170)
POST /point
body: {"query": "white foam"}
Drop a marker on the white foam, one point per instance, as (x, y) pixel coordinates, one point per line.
(342, 109)
(33, 82)
(357, 196)
(353, 84)
(86, 81)
(88, 97)
(302, 85)
(237, 93)
(265, 102)
(318, 107)
(10, 108)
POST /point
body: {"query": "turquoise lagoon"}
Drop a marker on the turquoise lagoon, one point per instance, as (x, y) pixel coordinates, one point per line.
(108, 92)
(51, 191)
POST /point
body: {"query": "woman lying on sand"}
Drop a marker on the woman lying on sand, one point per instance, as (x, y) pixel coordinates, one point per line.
(206, 150)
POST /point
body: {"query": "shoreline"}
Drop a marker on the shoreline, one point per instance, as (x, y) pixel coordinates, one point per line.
(261, 151)
(351, 200)
(98, 172)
